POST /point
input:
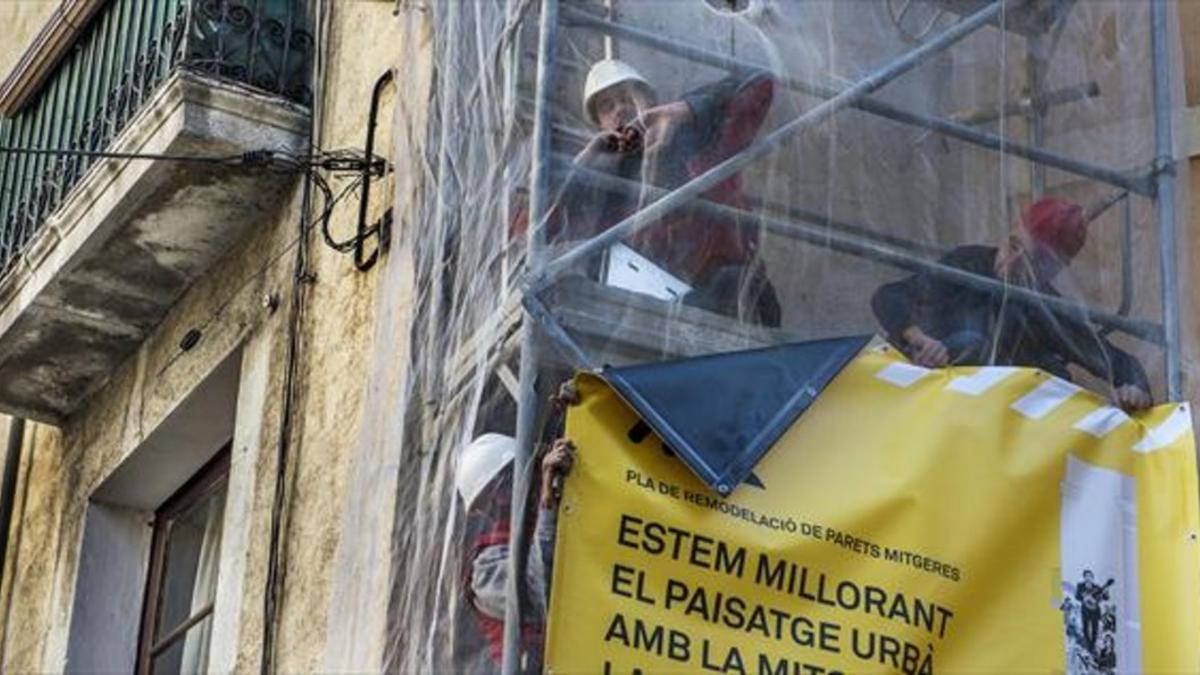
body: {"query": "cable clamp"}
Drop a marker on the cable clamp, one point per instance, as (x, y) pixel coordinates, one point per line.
(258, 158)
(1162, 165)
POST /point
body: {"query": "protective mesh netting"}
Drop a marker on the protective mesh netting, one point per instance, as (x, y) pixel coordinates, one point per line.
(880, 218)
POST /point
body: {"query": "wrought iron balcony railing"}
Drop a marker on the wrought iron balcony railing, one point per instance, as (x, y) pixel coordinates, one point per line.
(127, 49)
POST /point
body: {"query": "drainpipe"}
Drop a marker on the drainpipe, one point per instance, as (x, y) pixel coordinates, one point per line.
(8, 489)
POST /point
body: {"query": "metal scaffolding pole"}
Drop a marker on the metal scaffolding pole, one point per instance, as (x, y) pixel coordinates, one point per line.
(1025, 106)
(827, 109)
(1138, 184)
(539, 207)
(570, 135)
(891, 255)
(1164, 173)
(1036, 68)
(446, 186)
(575, 354)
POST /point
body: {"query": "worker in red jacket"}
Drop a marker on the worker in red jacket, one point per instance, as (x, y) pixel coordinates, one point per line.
(666, 146)
(939, 323)
(483, 482)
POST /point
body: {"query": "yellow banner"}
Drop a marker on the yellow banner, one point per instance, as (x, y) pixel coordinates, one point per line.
(966, 520)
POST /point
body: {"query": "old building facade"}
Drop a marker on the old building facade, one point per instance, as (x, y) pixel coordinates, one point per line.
(206, 324)
(280, 326)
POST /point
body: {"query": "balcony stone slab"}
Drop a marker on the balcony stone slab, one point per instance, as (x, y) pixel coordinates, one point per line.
(133, 236)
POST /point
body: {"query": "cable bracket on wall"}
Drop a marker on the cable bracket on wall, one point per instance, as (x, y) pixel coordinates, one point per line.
(381, 229)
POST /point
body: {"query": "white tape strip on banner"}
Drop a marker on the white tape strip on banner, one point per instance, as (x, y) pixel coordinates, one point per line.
(1045, 398)
(902, 375)
(1176, 424)
(1102, 421)
(980, 381)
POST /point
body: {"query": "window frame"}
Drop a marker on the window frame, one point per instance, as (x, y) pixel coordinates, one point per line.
(211, 477)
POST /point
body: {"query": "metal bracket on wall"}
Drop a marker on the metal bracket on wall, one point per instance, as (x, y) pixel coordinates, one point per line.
(381, 229)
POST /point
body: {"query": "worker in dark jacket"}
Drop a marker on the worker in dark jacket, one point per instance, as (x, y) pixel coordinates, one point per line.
(938, 322)
(666, 146)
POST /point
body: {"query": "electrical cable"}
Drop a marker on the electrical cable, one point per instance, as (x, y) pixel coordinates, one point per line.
(235, 295)
(337, 161)
(302, 276)
(342, 160)
(273, 594)
(330, 201)
(273, 591)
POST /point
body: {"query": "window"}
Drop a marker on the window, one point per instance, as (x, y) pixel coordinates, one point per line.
(182, 578)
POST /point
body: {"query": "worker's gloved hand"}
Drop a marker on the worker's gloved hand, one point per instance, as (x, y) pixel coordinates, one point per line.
(660, 124)
(568, 395)
(1131, 398)
(603, 152)
(924, 350)
(555, 466)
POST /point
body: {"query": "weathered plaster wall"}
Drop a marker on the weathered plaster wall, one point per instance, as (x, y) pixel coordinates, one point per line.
(22, 19)
(63, 466)
(1189, 19)
(365, 38)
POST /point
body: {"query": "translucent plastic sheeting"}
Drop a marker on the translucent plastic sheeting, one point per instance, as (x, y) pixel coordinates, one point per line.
(892, 212)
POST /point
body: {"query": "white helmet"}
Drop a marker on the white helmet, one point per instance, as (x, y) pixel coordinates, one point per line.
(479, 463)
(607, 74)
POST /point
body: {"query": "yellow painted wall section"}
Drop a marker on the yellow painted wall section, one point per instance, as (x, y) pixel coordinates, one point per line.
(364, 43)
(22, 19)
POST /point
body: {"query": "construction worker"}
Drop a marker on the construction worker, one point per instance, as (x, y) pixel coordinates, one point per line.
(483, 481)
(939, 323)
(666, 146)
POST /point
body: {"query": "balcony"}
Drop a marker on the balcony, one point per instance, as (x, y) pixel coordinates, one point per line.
(94, 250)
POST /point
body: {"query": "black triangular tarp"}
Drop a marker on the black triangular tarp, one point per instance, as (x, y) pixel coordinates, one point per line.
(721, 413)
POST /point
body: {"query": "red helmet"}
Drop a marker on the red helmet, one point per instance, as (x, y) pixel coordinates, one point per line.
(1057, 225)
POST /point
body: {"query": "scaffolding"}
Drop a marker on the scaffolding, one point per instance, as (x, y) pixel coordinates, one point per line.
(566, 310)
